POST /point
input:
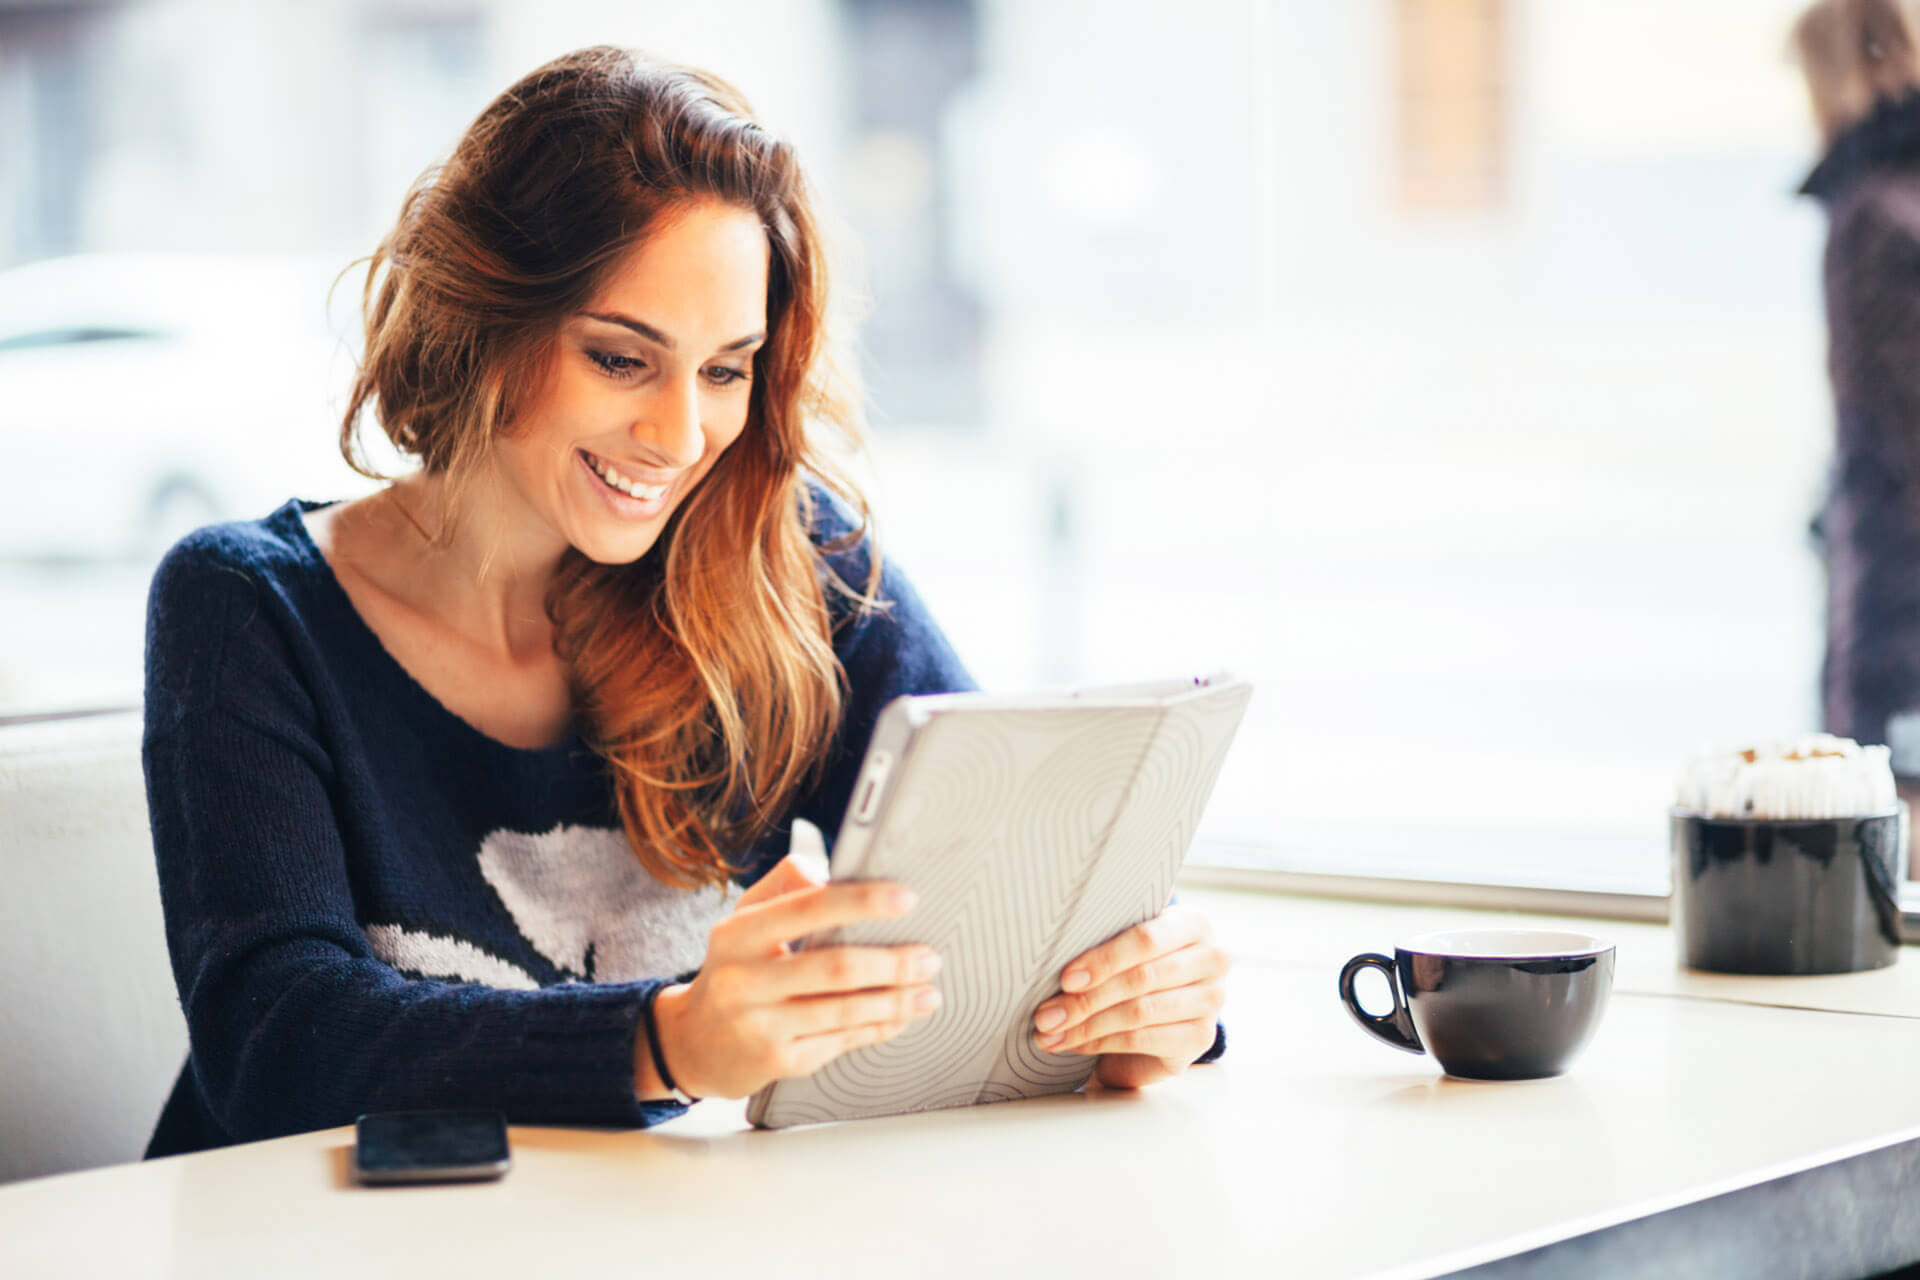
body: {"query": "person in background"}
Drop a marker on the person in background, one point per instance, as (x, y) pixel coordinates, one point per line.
(1863, 78)
(475, 791)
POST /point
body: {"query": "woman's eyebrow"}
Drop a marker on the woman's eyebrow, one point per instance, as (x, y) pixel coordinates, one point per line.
(660, 339)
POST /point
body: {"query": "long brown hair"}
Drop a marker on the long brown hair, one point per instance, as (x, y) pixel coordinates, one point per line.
(1855, 54)
(704, 672)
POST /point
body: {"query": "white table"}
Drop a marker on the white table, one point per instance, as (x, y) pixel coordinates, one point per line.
(1310, 1150)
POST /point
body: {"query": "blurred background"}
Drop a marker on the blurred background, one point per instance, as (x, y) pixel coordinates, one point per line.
(1452, 368)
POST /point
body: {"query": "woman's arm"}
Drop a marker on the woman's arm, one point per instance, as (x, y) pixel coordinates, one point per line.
(294, 1023)
(904, 651)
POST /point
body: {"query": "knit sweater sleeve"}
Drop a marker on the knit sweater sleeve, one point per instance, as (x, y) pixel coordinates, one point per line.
(294, 1024)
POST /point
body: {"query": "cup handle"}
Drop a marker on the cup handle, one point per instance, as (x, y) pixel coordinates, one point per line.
(1395, 1028)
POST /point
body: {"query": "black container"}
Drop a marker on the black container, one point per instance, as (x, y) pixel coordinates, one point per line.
(1490, 1004)
(1778, 895)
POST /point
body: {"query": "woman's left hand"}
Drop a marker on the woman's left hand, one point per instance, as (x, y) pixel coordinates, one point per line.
(1145, 1000)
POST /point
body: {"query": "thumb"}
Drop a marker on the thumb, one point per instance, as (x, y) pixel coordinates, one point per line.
(785, 877)
(802, 868)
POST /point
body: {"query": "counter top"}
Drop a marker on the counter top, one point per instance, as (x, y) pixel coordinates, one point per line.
(1310, 1150)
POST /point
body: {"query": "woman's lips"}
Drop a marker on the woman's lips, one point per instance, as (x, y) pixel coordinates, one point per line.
(638, 474)
(624, 505)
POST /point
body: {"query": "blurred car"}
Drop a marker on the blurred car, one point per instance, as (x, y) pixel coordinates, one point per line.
(142, 395)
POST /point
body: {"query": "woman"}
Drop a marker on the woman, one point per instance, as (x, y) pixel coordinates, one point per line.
(453, 787)
(1863, 79)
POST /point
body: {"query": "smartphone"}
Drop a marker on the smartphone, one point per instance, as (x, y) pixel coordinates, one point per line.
(430, 1146)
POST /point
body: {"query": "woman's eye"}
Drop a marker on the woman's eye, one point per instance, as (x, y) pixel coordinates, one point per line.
(725, 377)
(615, 366)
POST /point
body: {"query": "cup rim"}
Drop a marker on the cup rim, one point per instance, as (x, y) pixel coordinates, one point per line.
(1549, 944)
(1695, 815)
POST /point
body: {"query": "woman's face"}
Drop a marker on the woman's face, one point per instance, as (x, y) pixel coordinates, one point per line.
(647, 385)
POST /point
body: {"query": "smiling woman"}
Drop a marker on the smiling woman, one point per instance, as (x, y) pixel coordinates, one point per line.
(619, 428)
(474, 792)
(588, 371)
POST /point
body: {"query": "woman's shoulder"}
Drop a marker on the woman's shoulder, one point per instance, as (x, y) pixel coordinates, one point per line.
(272, 546)
(828, 517)
(843, 538)
(897, 633)
(1891, 196)
(222, 605)
(1873, 223)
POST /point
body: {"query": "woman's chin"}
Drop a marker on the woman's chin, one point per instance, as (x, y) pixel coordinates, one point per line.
(610, 547)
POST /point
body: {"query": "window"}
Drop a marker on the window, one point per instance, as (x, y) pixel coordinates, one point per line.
(1452, 368)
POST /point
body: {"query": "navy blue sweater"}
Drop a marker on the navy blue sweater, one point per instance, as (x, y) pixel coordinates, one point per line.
(372, 905)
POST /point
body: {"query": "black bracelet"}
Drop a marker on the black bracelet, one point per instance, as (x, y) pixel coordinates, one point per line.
(652, 1029)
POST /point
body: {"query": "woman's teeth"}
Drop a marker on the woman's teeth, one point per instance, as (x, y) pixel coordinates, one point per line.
(632, 488)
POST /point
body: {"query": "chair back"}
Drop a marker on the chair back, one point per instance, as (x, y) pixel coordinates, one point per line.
(91, 1034)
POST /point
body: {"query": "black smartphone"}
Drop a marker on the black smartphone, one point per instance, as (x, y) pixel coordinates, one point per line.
(430, 1146)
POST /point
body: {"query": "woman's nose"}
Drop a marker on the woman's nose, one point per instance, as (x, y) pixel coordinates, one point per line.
(670, 425)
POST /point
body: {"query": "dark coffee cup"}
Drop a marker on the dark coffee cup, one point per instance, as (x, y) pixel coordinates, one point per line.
(1490, 1004)
(1788, 895)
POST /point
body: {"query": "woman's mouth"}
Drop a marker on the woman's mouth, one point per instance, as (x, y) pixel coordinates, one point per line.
(627, 497)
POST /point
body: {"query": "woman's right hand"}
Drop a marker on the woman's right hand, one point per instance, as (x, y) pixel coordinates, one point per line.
(761, 1011)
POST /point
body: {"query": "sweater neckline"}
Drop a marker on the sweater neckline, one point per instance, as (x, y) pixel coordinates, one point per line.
(378, 657)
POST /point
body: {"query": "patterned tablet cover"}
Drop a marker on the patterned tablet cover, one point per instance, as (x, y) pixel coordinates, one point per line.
(1030, 833)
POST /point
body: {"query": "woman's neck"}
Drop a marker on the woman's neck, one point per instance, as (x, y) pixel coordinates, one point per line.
(489, 581)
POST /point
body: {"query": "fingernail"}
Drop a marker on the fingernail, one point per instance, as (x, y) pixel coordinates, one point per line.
(1050, 1018)
(1048, 1042)
(927, 1001)
(926, 966)
(903, 900)
(1075, 979)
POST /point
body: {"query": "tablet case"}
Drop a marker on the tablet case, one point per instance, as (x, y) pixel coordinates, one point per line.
(1032, 829)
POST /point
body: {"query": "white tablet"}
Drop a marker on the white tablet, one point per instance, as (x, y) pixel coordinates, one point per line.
(1032, 828)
